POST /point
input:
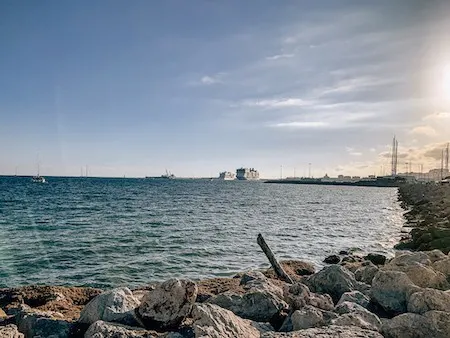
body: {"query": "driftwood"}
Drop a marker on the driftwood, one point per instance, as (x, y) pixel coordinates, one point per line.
(273, 261)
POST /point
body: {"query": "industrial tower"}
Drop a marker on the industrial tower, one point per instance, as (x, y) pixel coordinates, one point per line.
(394, 156)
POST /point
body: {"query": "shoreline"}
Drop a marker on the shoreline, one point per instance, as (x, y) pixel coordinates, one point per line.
(352, 296)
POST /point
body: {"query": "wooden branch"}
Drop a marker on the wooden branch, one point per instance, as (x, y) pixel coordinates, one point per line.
(273, 261)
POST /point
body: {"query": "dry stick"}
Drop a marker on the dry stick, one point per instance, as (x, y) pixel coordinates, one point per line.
(273, 261)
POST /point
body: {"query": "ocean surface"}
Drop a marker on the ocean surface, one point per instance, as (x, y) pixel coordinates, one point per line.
(110, 232)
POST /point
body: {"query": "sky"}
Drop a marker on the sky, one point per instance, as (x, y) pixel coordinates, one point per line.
(197, 87)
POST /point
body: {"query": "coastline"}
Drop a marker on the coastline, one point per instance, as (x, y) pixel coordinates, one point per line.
(355, 295)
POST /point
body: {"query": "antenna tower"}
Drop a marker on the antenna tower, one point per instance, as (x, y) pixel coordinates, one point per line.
(394, 156)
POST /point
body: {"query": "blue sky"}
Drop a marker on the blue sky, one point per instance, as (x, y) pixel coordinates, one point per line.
(134, 87)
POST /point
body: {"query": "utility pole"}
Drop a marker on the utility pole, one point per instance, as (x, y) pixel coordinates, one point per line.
(309, 165)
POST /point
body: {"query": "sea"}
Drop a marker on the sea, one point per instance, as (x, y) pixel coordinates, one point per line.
(108, 232)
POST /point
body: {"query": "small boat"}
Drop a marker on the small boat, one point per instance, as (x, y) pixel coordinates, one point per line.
(39, 179)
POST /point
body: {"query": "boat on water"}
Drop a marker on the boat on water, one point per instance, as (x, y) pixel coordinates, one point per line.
(167, 176)
(227, 176)
(246, 174)
(38, 178)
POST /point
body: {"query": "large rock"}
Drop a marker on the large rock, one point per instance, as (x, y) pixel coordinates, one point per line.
(421, 275)
(10, 331)
(408, 258)
(298, 295)
(116, 305)
(443, 266)
(435, 255)
(213, 321)
(309, 316)
(168, 304)
(366, 273)
(353, 314)
(391, 290)
(332, 331)
(101, 329)
(355, 297)
(376, 259)
(334, 280)
(333, 259)
(429, 299)
(37, 323)
(261, 301)
(434, 324)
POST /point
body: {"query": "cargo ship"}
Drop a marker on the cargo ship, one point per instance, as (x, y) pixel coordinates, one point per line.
(246, 174)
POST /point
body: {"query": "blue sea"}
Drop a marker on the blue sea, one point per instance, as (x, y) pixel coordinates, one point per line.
(106, 232)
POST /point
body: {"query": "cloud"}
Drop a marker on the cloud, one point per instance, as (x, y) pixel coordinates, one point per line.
(280, 56)
(209, 80)
(351, 151)
(437, 116)
(301, 125)
(276, 103)
(424, 130)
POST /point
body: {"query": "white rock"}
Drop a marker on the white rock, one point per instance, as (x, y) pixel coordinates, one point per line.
(435, 255)
(298, 295)
(353, 314)
(261, 301)
(443, 266)
(168, 304)
(421, 275)
(429, 299)
(116, 305)
(391, 289)
(332, 331)
(355, 297)
(212, 321)
(434, 324)
(10, 331)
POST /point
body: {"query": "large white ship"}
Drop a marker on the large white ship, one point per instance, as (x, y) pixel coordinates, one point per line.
(246, 174)
(227, 176)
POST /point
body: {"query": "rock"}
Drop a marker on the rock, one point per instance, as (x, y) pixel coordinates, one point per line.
(408, 258)
(309, 316)
(343, 252)
(251, 276)
(168, 304)
(293, 268)
(43, 324)
(391, 290)
(10, 331)
(443, 266)
(376, 259)
(298, 295)
(3, 315)
(101, 329)
(435, 255)
(427, 300)
(333, 259)
(261, 301)
(213, 321)
(355, 297)
(334, 280)
(353, 314)
(434, 324)
(366, 273)
(116, 305)
(421, 275)
(332, 331)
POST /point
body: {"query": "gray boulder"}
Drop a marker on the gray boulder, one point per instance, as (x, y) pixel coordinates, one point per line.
(261, 301)
(434, 324)
(391, 290)
(49, 324)
(435, 255)
(429, 299)
(353, 314)
(366, 273)
(443, 266)
(332, 331)
(116, 305)
(355, 297)
(10, 331)
(101, 329)
(376, 259)
(334, 280)
(168, 304)
(421, 275)
(298, 295)
(408, 258)
(309, 316)
(213, 321)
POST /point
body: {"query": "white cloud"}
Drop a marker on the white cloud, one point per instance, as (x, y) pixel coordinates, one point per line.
(276, 103)
(209, 80)
(351, 151)
(301, 124)
(280, 56)
(424, 130)
(437, 116)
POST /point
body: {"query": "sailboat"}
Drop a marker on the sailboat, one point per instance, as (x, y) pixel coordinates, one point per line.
(39, 178)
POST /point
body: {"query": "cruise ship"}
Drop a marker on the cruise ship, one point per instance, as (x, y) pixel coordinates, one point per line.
(226, 176)
(246, 174)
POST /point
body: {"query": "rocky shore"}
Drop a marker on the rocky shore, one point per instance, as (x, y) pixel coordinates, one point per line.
(355, 295)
